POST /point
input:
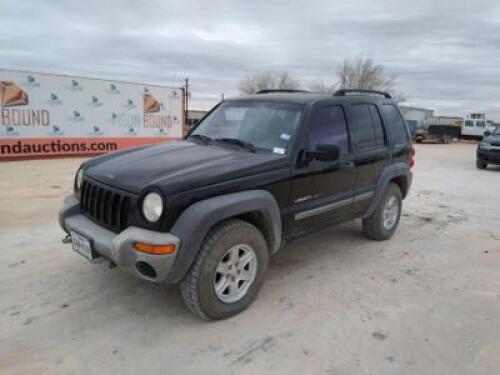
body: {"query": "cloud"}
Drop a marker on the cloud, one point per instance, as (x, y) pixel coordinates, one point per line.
(445, 53)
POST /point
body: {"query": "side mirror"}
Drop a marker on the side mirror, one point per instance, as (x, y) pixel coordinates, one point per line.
(325, 152)
(487, 133)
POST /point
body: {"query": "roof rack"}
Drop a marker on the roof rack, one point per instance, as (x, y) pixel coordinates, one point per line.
(271, 91)
(345, 92)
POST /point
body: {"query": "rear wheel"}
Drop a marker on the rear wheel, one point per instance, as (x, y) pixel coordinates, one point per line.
(382, 224)
(228, 272)
(481, 164)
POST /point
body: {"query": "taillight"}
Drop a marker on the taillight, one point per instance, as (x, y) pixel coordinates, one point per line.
(411, 158)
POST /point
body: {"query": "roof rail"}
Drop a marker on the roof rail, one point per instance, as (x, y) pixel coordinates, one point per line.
(345, 92)
(271, 91)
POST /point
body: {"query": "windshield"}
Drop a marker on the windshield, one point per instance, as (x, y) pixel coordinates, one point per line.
(266, 126)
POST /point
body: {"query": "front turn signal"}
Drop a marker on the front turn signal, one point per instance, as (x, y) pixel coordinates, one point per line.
(154, 249)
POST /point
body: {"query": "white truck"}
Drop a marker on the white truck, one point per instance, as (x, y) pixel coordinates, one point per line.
(474, 126)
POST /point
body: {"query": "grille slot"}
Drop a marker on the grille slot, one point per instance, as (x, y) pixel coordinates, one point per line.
(104, 206)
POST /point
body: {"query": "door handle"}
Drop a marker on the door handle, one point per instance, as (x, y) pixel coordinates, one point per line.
(347, 164)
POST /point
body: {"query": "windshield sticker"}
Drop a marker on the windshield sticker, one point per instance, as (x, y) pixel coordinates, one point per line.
(285, 136)
(279, 150)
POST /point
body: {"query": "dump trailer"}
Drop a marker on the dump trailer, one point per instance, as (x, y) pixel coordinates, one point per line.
(439, 133)
(440, 129)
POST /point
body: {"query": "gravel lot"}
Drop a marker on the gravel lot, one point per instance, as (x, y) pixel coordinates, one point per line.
(425, 302)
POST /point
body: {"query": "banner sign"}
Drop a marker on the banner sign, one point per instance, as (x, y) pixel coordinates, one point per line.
(51, 115)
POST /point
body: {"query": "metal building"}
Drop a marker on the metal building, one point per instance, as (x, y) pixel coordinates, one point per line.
(421, 116)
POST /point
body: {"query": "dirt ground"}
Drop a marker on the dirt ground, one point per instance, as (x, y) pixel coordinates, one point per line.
(425, 302)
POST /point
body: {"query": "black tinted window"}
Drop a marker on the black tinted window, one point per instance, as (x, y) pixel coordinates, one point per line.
(329, 127)
(378, 128)
(395, 125)
(366, 126)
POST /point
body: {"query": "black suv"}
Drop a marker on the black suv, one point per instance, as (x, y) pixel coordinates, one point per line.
(488, 150)
(258, 171)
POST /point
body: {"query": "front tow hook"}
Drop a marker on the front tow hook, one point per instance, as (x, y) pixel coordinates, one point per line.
(66, 239)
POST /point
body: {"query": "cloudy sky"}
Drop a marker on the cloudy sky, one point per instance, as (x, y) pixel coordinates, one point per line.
(446, 53)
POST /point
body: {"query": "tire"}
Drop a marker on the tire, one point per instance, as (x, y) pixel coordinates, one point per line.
(374, 226)
(198, 287)
(481, 164)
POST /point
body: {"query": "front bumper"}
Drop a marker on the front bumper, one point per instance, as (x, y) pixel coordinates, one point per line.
(119, 247)
(490, 156)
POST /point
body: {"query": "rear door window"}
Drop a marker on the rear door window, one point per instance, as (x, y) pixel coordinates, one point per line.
(328, 126)
(366, 127)
(395, 125)
(378, 128)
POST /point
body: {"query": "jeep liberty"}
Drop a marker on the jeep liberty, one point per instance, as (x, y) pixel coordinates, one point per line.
(488, 150)
(208, 211)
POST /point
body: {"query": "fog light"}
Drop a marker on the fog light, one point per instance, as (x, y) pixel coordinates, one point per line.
(154, 249)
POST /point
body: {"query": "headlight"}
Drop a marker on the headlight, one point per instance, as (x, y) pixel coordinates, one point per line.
(79, 179)
(152, 207)
(485, 145)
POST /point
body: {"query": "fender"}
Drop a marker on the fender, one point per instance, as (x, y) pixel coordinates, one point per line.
(395, 170)
(194, 223)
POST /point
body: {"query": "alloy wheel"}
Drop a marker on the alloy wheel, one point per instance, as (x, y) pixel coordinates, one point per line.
(235, 273)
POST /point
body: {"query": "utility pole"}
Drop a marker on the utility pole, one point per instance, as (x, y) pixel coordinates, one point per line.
(186, 101)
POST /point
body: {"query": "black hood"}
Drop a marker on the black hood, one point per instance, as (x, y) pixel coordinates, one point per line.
(178, 166)
(493, 139)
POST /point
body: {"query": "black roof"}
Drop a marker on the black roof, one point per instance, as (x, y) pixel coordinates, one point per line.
(288, 97)
(311, 97)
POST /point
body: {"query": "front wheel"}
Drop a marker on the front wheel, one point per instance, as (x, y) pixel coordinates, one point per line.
(382, 224)
(228, 272)
(481, 164)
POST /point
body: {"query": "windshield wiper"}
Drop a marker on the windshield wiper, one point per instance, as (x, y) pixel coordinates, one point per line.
(205, 139)
(237, 142)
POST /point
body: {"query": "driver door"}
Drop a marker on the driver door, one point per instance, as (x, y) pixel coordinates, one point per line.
(322, 191)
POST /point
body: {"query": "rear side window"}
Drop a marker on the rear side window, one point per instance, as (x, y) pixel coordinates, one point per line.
(329, 127)
(395, 125)
(366, 126)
